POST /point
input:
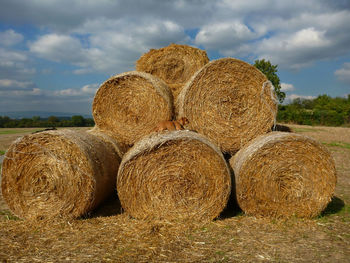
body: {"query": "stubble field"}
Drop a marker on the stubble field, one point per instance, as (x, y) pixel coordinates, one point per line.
(107, 235)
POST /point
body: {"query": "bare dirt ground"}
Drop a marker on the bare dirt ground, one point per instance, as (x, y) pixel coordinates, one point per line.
(110, 236)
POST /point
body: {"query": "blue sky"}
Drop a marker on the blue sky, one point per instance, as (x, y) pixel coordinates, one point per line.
(55, 53)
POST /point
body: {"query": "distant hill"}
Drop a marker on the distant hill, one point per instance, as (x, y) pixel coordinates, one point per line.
(42, 114)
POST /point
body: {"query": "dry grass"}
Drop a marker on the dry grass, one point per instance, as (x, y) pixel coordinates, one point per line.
(108, 236)
(8, 135)
(282, 175)
(129, 105)
(324, 134)
(58, 174)
(121, 239)
(174, 175)
(229, 101)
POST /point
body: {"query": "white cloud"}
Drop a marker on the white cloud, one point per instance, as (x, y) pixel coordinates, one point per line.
(343, 74)
(10, 37)
(291, 97)
(294, 51)
(287, 87)
(65, 15)
(87, 90)
(78, 100)
(106, 37)
(82, 71)
(36, 91)
(90, 89)
(291, 34)
(307, 38)
(15, 65)
(12, 56)
(67, 92)
(110, 46)
(13, 94)
(31, 92)
(59, 48)
(229, 37)
(10, 83)
(42, 100)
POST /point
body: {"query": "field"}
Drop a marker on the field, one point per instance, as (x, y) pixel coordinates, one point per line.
(107, 235)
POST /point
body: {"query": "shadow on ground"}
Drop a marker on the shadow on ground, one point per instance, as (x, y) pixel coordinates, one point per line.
(335, 206)
(232, 209)
(281, 128)
(110, 207)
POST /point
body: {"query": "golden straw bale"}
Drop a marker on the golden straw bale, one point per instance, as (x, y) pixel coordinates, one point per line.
(58, 174)
(174, 175)
(129, 105)
(107, 139)
(229, 101)
(174, 64)
(283, 174)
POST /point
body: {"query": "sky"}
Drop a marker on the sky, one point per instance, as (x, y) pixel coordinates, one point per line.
(54, 54)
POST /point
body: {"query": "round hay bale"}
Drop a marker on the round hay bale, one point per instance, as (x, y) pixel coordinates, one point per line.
(129, 105)
(229, 101)
(174, 176)
(174, 64)
(107, 139)
(58, 174)
(283, 174)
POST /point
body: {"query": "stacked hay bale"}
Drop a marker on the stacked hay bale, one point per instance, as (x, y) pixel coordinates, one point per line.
(59, 174)
(129, 105)
(232, 103)
(173, 174)
(174, 64)
(229, 101)
(282, 175)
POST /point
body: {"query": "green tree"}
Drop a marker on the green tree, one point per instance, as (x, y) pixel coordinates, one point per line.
(25, 122)
(4, 120)
(78, 121)
(53, 121)
(323, 110)
(89, 122)
(271, 73)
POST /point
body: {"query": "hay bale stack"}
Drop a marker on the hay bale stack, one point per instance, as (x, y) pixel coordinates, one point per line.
(174, 64)
(283, 174)
(95, 131)
(229, 101)
(128, 106)
(58, 174)
(174, 176)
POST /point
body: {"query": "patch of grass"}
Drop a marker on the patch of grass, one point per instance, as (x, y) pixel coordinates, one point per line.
(305, 130)
(14, 131)
(2, 152)
(220, 253)
(7, 214)
(343, 145)
(336, 207)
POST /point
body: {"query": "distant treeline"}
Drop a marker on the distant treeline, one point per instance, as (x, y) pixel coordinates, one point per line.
(52, 121)
(323, 110)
